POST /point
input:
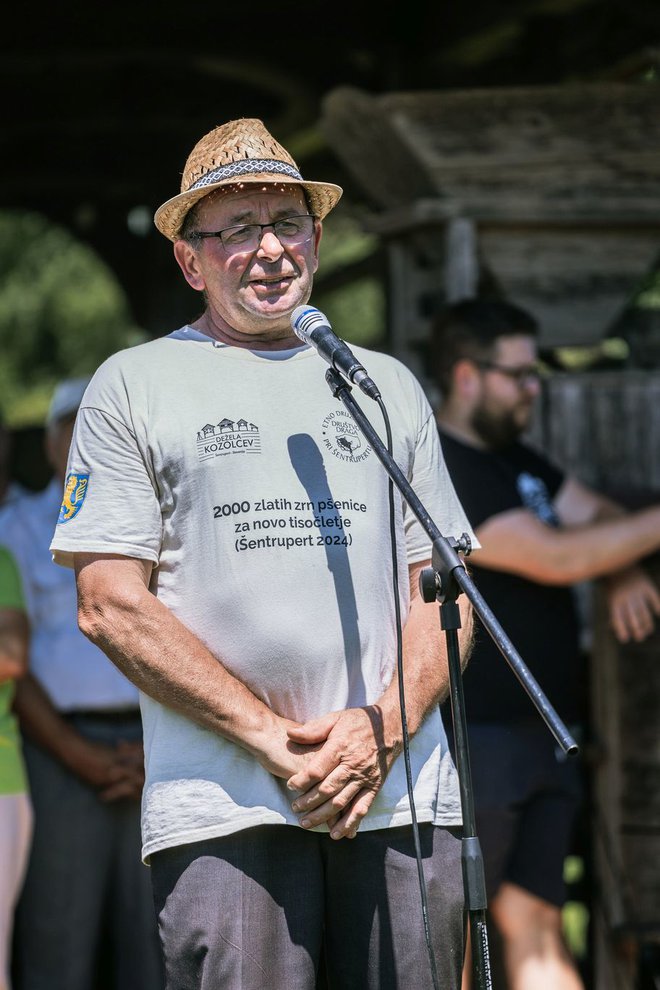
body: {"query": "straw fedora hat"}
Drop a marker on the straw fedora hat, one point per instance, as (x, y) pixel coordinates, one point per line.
(241, 151)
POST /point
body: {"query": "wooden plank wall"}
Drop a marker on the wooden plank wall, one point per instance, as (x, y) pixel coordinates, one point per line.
(604, 427)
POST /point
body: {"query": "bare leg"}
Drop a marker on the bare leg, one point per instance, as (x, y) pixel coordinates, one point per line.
(466, 982)
(15, 836)
(535, 953)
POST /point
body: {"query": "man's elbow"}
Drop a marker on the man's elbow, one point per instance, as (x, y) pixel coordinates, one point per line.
(112, 592)
(102, 614)
(561, 569)
(92, 620)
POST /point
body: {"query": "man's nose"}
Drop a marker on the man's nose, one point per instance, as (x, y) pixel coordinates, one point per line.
(269, 245)
(532, 384)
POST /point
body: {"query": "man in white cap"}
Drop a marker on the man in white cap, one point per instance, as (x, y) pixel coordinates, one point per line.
(86, 887)
(230, 531)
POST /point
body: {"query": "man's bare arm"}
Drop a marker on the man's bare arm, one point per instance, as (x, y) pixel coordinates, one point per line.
(165, 659)
(633, 598)
(517, 542)
(598, 539)
(13, 644)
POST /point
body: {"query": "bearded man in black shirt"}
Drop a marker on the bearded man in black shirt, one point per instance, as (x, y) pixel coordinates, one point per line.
(541, 531)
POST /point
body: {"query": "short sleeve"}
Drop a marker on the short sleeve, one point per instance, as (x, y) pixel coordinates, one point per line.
(109, 503)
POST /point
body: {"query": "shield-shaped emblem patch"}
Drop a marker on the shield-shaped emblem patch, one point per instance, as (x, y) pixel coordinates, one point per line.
(75, 490)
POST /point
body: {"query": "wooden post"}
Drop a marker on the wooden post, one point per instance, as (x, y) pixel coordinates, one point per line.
(604, 427)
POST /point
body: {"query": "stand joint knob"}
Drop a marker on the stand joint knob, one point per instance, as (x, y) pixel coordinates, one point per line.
(462, 545)
(429, 584)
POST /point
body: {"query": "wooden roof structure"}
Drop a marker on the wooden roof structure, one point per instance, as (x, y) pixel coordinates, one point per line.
(102, 106)
(548, 194)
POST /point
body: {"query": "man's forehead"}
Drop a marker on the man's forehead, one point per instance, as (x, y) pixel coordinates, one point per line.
(241, 202)
(515, 343)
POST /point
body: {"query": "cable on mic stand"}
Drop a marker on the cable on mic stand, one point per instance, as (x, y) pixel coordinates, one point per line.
(402, 705)
(444, 582)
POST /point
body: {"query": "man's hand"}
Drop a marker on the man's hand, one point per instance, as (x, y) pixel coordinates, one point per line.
(338, 785)
(130, 755)
(115, 773)
(633, 601)
(280, 754)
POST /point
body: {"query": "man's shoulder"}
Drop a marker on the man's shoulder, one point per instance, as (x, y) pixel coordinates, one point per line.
(459, 450)
(382, 360)
(523, 453)
(137, 354)
(127, 371)
(23, 503)
(391, 374)
(27, 517)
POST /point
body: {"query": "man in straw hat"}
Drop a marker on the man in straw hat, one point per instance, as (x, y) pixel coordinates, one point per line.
(230, 531)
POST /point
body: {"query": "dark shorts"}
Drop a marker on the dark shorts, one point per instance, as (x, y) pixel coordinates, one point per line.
(279, 908)
(526, 796)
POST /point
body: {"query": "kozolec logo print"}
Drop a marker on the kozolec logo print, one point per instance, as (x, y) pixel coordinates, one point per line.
(229, 436)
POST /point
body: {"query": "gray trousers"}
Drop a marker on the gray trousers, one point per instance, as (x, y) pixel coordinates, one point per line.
(279, 908)
(86, 886)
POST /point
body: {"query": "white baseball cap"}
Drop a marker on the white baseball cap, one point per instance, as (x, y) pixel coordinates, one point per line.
(66, 398)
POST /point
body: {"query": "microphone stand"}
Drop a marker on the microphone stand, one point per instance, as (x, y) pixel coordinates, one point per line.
(443, 582)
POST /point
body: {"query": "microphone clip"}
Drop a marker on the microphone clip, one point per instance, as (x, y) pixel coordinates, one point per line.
(336, 382)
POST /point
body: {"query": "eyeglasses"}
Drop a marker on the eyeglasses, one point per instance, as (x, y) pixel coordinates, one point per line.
(522, 375)
(289, 231)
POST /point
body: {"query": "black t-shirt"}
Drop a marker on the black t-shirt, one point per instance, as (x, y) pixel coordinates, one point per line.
(540, 620)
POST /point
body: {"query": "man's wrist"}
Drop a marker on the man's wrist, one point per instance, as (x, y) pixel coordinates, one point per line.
(258, 732)
(391, 728)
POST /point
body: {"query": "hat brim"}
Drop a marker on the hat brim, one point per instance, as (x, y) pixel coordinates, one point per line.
(321, 196)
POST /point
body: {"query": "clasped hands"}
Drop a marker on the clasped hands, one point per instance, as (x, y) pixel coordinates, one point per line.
(115, 772)
(337, 764)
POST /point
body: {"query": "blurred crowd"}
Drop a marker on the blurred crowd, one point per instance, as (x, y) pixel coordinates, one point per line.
(75, 897)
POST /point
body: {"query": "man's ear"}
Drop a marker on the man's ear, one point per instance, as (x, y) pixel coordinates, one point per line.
(318, 233)
(466, 378)
(187, 260)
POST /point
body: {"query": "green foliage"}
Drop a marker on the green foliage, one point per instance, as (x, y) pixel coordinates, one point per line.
(575, 914)
(344, 242)
(648, 292)
(62, 313)
(357, 311)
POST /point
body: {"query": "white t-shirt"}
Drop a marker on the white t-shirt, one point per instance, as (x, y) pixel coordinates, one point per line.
(265, 514)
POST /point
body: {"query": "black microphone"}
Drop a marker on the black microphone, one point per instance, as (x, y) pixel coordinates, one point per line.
(313, 327)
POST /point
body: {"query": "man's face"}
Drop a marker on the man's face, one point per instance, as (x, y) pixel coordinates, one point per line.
(504, 403)
(253, 291)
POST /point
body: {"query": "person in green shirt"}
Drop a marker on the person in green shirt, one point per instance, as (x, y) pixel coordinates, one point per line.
(15, 807)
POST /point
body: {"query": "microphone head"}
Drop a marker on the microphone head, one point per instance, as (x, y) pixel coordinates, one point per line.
(306, 319)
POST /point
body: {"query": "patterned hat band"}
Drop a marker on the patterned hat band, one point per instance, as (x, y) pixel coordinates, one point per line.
(245, 167)
(239, 152)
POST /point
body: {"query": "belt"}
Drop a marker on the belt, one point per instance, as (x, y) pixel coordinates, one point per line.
(104, 714)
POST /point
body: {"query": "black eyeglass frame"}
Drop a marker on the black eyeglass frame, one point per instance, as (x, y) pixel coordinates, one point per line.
(520, 375)
(261, 226)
